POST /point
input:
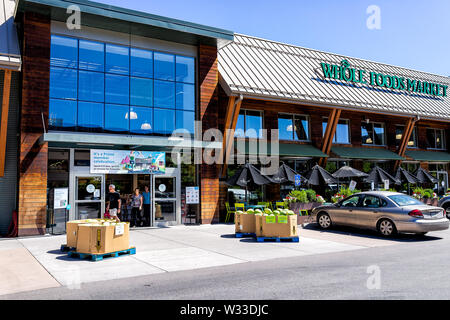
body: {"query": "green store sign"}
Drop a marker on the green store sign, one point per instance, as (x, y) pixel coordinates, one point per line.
(346, 73)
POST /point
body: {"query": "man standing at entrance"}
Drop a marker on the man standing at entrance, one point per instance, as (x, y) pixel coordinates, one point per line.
(114, 202)
(146, 195)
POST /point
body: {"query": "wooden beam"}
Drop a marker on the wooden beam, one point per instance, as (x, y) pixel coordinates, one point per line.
(4, 121)
(328, 133)
(405, 139)
(333, 132)
(228, 118)
(230, 138)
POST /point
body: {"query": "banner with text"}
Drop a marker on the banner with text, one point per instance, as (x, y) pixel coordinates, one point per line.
(128, 162)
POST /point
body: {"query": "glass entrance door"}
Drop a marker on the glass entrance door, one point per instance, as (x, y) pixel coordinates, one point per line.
(167, 206)
(89, 197)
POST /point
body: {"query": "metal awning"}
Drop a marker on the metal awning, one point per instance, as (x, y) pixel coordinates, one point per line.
(365, 153)
(431, 156)
(9, 45)
(284, 149)
(77, 139)
(263, 69)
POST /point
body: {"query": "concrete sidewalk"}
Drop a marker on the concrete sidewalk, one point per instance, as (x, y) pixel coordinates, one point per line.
(37, 263)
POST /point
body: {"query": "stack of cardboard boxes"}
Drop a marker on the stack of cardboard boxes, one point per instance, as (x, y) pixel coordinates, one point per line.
(98, 236)
(281, 226)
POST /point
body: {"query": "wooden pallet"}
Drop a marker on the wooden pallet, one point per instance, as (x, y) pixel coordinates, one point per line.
(245, 234)
(98, 257)
(277, 239)
(64, 248)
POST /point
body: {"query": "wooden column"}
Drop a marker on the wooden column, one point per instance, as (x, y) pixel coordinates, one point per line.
(33, 159)
(4, 120)
(209, 115)
(330, 131)
(404, 141)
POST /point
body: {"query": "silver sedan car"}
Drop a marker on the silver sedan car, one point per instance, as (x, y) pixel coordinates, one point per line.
(383, 211)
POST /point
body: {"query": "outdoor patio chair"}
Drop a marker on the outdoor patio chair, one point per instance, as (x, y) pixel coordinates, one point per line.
(280, 205)
(239, 206)
(229, 212)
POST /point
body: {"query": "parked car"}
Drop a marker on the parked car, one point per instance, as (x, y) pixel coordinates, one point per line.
(383, 211)
(445, 204)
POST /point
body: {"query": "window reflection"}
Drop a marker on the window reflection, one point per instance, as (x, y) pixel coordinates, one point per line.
(103, 80)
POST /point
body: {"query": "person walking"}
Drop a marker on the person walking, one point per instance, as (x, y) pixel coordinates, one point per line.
(146, 195)
(114, 202)
(136, 207)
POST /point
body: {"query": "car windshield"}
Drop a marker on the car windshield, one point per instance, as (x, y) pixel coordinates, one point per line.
(404, 200)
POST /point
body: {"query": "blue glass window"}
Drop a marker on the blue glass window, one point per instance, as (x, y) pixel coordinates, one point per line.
(164, 94)
(185, 96)
(117, 89)
(63, 83)
(62, 113)
(164, 66)
(185, 69)
(285, 127)
(141, 120)
(185, 120)
(117, 59)
(64, 52)
(92, 55)
(240, 126)
(141, 92)
(91, 86)
(164, 121)
(117, 118)
(90, 114)
(253, 124)
(141, 63)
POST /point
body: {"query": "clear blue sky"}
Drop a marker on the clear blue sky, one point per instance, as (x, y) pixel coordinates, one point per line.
(414, 33)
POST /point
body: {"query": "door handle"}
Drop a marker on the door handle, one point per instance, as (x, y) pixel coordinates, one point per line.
(350, 210)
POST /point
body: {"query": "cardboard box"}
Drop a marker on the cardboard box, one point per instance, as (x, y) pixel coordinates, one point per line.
(72, 230)
(98, 239)
(276, 226)
(245, 223)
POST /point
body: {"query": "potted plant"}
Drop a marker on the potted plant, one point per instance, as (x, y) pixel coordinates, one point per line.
(426, 196)
(434, 199)
(298, 200)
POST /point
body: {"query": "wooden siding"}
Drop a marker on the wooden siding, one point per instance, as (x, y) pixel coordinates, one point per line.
(209, 115)
(35, 99)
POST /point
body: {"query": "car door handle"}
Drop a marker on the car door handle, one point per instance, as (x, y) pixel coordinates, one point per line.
(350, 210)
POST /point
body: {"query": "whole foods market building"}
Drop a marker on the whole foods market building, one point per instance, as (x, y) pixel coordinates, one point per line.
(115, 90)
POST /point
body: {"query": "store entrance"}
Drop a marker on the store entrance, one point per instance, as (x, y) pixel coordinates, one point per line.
(164, 207)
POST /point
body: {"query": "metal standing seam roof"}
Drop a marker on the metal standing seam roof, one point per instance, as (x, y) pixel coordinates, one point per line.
(9, 44)
(271, 70)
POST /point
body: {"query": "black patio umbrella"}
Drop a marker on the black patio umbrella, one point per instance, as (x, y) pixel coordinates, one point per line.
(378, 175)
(286, 174)
(405, 176)
(423, 176)
(247, 175)
(349, 172)
(319, 176)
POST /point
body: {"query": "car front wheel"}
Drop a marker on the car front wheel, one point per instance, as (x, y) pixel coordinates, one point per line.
(324, 220)
(386, 228)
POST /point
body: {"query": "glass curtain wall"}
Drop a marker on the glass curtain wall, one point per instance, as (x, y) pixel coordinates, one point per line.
(102, 87)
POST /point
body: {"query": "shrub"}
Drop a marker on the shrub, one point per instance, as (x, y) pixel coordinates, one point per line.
(311, 194)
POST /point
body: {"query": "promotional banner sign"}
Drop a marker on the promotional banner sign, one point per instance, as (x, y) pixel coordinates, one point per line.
(128, 162)
(352, 185)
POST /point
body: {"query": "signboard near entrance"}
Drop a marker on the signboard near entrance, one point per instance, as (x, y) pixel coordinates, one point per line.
(128, 162)
(298, 180)
(61, 198)
(192, 195)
